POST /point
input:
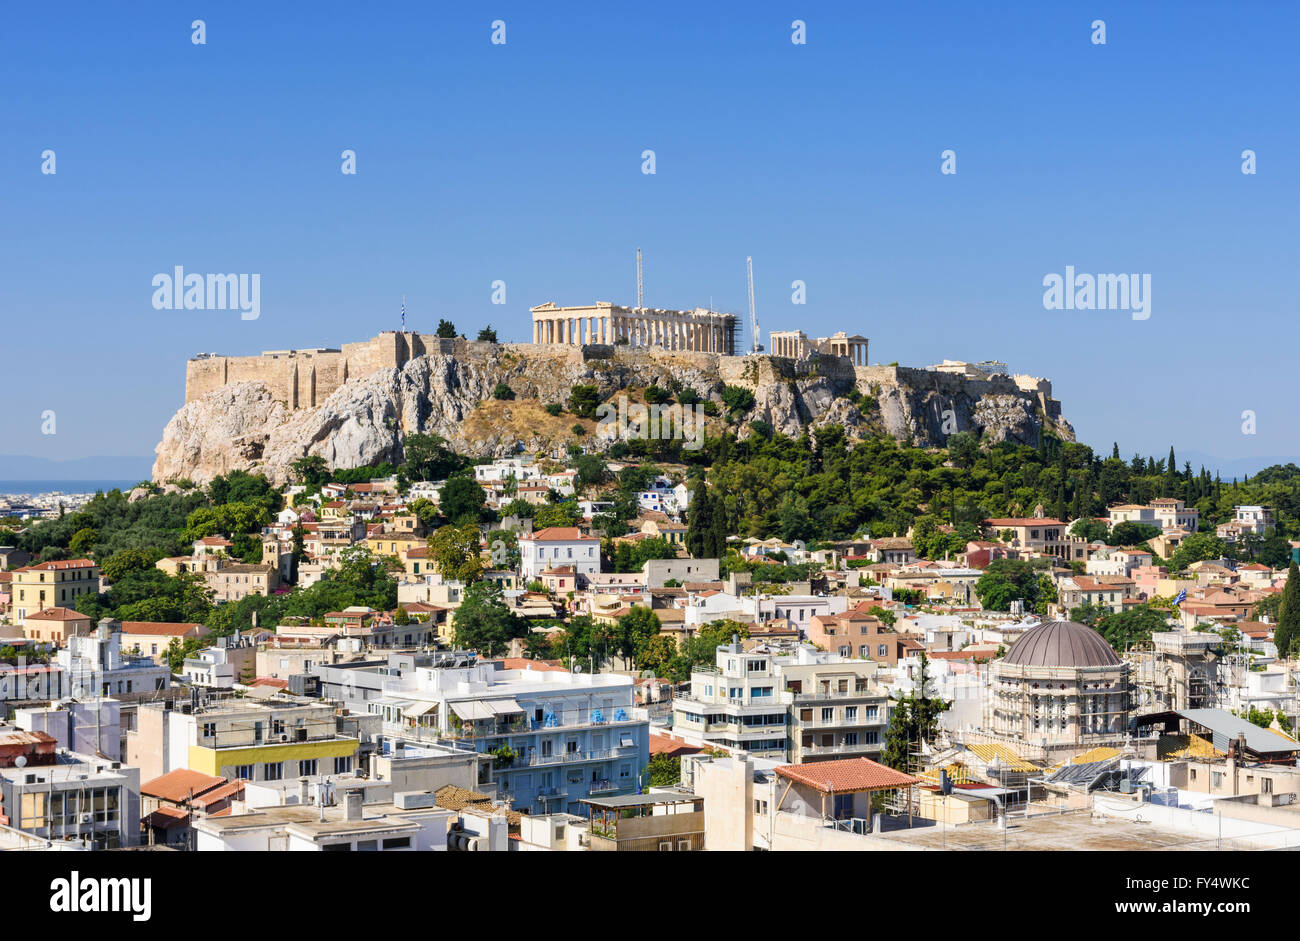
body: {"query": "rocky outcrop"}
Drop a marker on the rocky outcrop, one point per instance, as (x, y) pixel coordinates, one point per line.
(366, 419)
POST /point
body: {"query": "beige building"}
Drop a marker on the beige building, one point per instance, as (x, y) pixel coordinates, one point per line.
(151, 638)
(234, 581)
(56, 625)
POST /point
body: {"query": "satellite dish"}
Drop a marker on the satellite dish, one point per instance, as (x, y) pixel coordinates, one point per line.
(20, 761)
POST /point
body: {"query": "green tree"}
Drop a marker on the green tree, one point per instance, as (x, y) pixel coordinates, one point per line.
(503, 392)
(1287, 632)
(913, 719)
(310, 470)
(483, 622)
(427, 457)
(486, 335)
(455, 551)
(446, 330)
(664, 771)
(462, 501)
(1005, 581)
(583, 400)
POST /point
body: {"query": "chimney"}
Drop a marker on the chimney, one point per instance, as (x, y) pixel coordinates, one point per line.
(304, 790)
(352, 804)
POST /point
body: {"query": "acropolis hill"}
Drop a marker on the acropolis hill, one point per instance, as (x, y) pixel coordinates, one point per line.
(355, 404)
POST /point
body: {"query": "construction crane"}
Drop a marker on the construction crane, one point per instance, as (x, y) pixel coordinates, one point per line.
(756, 347)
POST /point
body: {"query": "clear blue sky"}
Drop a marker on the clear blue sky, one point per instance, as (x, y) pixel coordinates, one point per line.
(522, 163)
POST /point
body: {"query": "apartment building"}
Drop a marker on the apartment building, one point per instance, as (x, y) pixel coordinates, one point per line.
(837, 708)
(252, 740)
(63, 796)
(740, 702)
(556, 737)
(785, 702)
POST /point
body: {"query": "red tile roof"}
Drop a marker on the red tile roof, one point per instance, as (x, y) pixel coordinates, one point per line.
(177, 786)
(846, 776)
(160, 628)
(673, 748)
(58, 614)
(560, 534)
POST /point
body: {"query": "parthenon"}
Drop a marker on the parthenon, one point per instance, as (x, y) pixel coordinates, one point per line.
(794, 344)
(699, 330)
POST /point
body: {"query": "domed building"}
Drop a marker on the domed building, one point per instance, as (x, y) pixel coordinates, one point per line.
(1060, 684)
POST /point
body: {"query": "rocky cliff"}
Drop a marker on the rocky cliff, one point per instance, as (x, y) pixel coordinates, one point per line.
(364, 421)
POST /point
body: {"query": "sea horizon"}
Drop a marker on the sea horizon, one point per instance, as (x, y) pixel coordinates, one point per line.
(37, 486)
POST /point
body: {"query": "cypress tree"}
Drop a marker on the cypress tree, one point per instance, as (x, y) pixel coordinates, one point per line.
(1287, 631)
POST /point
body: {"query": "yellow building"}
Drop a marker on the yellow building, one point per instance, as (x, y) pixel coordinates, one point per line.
(252, 741)
(52, 584)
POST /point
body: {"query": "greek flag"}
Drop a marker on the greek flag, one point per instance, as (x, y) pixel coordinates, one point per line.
(1182, 596)
(403, 313)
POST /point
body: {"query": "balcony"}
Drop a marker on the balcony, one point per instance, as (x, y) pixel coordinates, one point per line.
(820, 723)
(841, 749)
(847, 694)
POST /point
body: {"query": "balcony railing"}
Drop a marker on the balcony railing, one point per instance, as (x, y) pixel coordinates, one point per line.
(841, 748)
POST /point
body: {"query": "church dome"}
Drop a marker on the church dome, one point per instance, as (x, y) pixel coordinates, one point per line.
(1061, 644)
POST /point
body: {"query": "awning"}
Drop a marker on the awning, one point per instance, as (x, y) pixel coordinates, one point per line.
(503, 707)
(415, 710)
(626, 741)
(472, 709)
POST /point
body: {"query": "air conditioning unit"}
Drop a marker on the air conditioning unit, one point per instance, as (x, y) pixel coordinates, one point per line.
(86, 818)
(284, 738)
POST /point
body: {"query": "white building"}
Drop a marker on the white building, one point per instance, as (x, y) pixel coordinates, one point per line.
(558, 736)
(556, 546)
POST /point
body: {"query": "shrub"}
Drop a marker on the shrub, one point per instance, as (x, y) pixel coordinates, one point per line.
(503, 391)
(554, 408)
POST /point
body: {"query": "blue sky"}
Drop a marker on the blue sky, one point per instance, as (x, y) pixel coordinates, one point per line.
(522, 163)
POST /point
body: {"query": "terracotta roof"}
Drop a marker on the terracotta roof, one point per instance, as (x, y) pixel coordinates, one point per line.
(672, 747)
(560, 534)
(58, 566)
(846, 776)
(58, 614)
(166, 817)
(177, 786)
(1015, 521)
(162, 629)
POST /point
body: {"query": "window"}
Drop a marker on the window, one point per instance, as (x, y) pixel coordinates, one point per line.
(850, 712)
(243, 772)
(307, 766)
(665, 846)
(397, 843)
(209, 729)
(828, 714)
(274, 771)
(343, 765)
(850, 738)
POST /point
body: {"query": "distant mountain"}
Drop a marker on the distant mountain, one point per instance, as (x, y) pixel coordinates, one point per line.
(1228, 468)
(25, 467)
